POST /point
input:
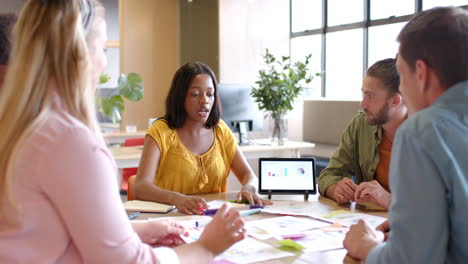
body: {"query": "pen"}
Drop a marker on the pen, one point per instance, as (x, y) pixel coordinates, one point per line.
(202, 222)
(352, 205)
(133, 215)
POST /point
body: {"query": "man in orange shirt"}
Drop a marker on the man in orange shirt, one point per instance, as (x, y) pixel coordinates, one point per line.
(6, 24)
(366, 144)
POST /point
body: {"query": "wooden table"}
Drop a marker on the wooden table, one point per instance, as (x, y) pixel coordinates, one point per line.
(129, 157)
(324, 205)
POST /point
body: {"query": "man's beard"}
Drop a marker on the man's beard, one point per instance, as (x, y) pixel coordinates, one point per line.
(381, 117)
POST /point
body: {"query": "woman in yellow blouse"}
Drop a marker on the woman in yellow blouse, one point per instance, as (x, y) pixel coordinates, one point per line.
(191, 150)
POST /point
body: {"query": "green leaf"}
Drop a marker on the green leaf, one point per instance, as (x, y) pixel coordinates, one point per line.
(131, 86)
(279, 83)
(104, 78)
(111, 107)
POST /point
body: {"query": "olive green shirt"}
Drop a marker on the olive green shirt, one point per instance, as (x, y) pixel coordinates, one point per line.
(357, 154)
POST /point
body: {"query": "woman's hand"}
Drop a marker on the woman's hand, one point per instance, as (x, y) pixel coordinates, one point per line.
(161, 232)
(189, 204)
(249, 193)
(226, 228)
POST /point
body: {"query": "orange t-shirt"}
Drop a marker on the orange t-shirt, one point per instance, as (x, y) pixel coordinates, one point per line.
(382, 170)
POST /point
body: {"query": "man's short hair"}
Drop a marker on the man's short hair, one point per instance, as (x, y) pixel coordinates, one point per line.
(6, 24)
(385, 70)
(439, 37)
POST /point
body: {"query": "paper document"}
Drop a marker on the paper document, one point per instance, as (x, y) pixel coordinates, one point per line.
(251, 251)
(295, 208)
(271, 227)
(321, 212)
(144, 206)
(320, 240)
(347, 218)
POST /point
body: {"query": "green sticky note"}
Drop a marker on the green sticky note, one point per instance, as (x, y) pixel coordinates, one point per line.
(241, 202)
(289, 243)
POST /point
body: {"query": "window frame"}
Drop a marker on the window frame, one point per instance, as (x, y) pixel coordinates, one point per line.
(365, 25)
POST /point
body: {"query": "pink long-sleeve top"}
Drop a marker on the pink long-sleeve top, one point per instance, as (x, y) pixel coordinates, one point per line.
(66, 189)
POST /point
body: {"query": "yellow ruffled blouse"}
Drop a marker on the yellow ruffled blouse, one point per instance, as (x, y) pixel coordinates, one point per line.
(182, 171)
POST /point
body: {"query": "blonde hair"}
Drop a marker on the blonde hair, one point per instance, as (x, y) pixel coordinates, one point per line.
(49, 58)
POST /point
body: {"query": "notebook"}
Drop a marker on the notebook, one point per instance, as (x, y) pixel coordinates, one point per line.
(287, 175)
(149, 207)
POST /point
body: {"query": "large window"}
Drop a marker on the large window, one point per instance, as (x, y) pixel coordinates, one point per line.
(300, 48)
(346, 37)
(308, 15)
(382, 42)
(344, 12)
(344, 64)
(384, 9)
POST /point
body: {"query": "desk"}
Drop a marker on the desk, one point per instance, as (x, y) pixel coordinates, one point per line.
(325, 205)
(113, 138)
(129, 157)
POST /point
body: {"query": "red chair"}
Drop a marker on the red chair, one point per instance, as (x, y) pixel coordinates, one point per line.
(126, 173)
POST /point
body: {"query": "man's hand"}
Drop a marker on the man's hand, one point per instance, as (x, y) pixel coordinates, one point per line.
(373, 192)
(360, 239)
(384, 228)
(343, 191)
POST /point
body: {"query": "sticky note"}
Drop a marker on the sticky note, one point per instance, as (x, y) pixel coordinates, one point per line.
(290, 244)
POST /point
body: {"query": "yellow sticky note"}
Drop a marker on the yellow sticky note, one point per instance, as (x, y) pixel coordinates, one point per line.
(290, 244)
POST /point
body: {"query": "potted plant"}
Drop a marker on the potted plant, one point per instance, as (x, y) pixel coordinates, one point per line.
(129, 86)
(279, 85)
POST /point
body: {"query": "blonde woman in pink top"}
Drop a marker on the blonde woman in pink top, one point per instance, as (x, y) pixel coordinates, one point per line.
(59, 199)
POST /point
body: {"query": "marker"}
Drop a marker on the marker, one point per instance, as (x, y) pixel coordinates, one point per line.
(200, 208)
(250, 212)
(253, 206)
(210, 211)
(353, 179)
(294, 236)
(133, 215)
(256, 206)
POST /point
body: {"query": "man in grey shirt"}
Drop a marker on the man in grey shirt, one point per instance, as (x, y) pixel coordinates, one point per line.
(429, 164)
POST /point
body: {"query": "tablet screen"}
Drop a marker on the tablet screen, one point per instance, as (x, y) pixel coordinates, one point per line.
(287, 175)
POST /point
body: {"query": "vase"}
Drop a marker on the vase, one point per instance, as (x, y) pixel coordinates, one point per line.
(280, 129)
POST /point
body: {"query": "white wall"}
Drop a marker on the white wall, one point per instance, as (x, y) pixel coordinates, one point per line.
(246, 29)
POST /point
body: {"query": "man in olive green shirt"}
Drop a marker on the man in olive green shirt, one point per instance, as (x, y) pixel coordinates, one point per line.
(362, 152)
